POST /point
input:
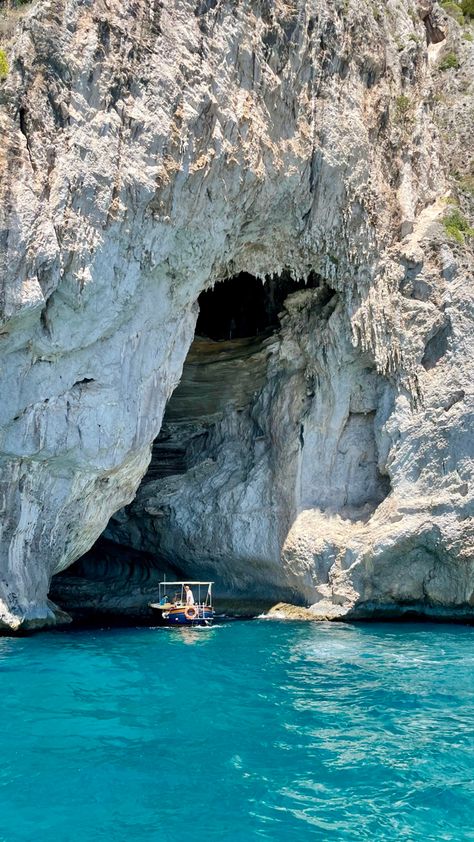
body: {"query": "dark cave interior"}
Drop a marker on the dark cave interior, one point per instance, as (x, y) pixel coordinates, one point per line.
(244, 306)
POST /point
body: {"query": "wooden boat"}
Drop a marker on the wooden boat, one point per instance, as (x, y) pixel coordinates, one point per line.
(178, 610)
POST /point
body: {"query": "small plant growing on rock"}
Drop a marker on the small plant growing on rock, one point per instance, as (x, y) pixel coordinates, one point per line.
(3, 65)
(403, 105)
(450, 200)
(457, 226)
(450, 60)
(467, 184)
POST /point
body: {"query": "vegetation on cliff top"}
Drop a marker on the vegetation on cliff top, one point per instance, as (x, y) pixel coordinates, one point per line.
(459, 10)
(454, 10)
(467, 7)
(11, 11)
(6, 5)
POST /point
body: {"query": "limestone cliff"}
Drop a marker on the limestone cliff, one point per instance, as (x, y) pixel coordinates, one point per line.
(154, 150)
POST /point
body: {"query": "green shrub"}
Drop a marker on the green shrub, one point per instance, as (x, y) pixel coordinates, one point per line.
(4, 68)
(457, 226)
(468, 36)
(467, 7)
(449, 61)
(466, 184)
(403, 104)
(454, 10)
(450, 200)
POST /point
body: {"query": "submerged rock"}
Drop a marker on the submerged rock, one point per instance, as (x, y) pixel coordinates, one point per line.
(286, 611)
(152, 151)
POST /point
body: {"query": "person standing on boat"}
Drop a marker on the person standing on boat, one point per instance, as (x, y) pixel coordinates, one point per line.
(189, 595)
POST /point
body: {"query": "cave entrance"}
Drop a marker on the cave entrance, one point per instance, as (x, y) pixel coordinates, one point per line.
(218, 420)
(244, 306)
(248, 439)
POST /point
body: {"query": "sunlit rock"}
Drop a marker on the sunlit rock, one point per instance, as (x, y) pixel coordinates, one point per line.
(153, 151)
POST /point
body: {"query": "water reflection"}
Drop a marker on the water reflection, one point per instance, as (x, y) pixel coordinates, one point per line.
(192, 635)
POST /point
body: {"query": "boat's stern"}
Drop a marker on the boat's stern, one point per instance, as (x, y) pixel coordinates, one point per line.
(189, 615)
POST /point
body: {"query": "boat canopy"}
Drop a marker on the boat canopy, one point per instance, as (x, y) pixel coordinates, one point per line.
(184, 582)
(165, 588)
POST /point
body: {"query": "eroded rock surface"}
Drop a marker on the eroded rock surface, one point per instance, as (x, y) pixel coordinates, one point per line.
(258, 430)
(153, 150)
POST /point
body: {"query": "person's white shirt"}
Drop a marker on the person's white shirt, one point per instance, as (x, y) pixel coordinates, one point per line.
(189, 597)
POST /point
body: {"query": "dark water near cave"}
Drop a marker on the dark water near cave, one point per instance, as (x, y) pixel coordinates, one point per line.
(251, 730)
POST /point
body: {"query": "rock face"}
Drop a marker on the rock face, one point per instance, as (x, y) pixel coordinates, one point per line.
(154, 150)
(258, 430)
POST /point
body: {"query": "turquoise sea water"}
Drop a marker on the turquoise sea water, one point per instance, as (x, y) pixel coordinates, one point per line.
(250, 730)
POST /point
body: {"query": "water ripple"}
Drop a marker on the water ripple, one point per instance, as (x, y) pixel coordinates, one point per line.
(252, 730)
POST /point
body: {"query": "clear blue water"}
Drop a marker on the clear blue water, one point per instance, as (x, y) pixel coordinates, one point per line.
(256, 730)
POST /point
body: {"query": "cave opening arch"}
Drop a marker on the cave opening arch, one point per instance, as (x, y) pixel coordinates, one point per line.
(227, 471)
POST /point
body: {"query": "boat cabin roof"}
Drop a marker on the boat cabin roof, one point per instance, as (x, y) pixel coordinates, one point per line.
(184, 582)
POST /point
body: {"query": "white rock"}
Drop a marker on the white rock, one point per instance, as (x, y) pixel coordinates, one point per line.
(146, 156)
